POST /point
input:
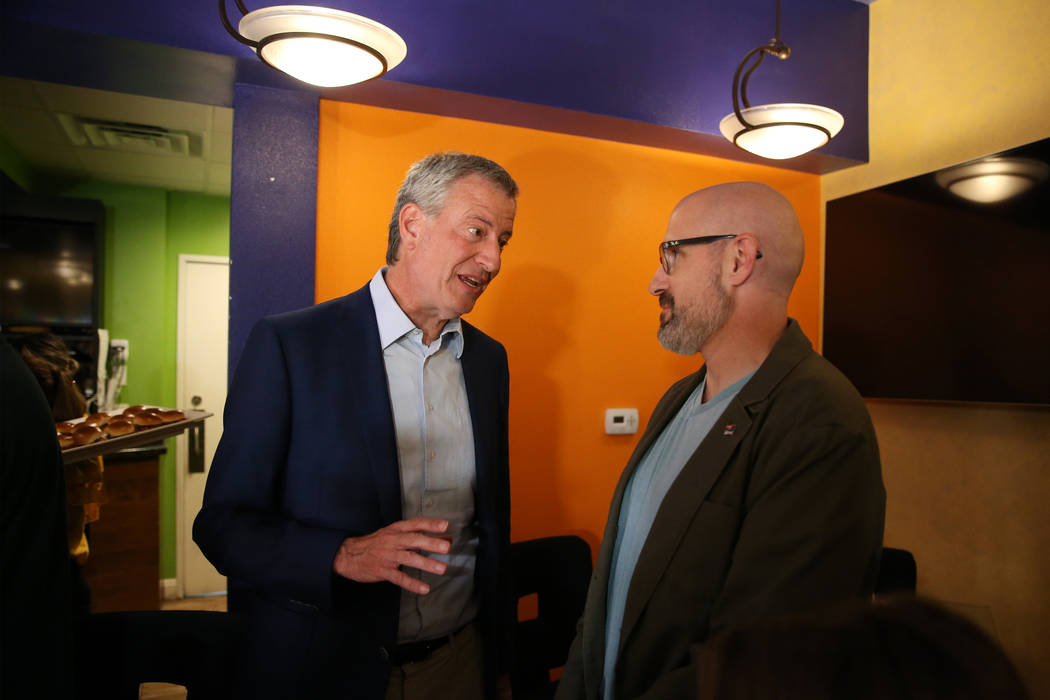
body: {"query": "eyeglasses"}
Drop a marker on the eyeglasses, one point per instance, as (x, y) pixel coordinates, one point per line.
(669, 249)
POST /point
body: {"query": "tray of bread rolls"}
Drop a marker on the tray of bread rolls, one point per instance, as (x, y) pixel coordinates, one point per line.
(102, 433)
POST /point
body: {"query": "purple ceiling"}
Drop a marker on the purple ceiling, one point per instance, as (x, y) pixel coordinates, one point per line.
(662, 72)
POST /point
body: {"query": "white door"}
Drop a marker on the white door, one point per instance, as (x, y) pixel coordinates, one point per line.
(203, 319)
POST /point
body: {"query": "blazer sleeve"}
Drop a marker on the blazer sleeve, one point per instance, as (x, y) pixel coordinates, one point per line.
(242, 528)
(570, 686)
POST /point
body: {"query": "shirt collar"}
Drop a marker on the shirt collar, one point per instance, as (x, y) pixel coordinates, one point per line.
(394, 324)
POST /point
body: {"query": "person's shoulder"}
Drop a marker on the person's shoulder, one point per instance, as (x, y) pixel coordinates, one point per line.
(816, 389)
(320, 315)
(795, 378)
(474, 337)
(816, 372)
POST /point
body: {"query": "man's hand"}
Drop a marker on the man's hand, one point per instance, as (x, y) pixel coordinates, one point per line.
(377, 557)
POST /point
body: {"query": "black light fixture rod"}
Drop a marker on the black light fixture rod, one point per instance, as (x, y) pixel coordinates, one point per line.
(777, 48)
(229, 26)
(740, 88)
(747, 76)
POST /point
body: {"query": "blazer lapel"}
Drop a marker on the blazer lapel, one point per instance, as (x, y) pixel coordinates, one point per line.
(594, 635)
(367, 389)
(679, 507)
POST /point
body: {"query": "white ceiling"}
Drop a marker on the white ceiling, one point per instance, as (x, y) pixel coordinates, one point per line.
(29, 122)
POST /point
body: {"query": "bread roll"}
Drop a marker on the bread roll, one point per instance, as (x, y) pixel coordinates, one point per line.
(120, 427)
(87, 434)
(134, 410)
(98, 419)
(66, 428)
(171, 416)
(65, 440)
(146, 420)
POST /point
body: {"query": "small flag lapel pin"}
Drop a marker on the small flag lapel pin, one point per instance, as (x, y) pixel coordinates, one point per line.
(729, 429)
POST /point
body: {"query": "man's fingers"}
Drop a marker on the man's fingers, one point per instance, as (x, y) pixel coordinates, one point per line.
(418, 561)
(376, 557)
(425, 543)
(413, 585)
(419, 525)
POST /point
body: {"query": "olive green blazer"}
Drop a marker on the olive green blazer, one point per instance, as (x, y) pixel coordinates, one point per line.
(780, 509)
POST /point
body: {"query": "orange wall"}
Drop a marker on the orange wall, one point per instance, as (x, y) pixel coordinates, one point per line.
(570, 304)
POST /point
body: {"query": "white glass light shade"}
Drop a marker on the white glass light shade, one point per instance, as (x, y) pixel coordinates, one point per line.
(778, 140)
(325, 62)
(992, 179)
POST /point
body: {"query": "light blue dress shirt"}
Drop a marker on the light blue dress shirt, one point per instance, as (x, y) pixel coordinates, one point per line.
(435, 449)
(645, 491)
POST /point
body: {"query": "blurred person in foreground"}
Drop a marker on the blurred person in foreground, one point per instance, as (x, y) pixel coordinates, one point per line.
(896, 648)
(35, 607)
(756, 488)
(52, 364)
(359, 498)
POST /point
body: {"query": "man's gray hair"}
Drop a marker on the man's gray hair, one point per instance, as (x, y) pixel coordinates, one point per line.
(428, 181)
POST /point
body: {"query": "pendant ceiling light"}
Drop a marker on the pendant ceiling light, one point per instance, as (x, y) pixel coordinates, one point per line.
(780, 130)
(323, 47)
(991, 180)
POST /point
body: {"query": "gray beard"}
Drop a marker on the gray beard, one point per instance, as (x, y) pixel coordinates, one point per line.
(690, 327)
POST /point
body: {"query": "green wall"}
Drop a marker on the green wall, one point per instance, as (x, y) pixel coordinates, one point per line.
(146, 230)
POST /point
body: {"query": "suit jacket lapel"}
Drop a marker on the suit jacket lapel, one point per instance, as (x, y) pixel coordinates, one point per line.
(479, 397)
(366, 387)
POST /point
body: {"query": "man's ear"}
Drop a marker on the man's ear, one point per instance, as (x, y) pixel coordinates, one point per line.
(745, 254)
(412, 222)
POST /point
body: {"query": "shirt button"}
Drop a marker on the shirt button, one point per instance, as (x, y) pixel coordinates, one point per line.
(430, 408)
(431, 455)
(384, 655)
(428, 502)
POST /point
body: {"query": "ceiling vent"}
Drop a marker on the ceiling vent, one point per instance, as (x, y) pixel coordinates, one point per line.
(135, 138)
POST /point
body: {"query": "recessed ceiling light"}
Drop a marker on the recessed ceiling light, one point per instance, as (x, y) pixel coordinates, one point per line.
(991, 180)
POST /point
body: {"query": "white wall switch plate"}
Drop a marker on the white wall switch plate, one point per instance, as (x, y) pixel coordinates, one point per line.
(621, 421)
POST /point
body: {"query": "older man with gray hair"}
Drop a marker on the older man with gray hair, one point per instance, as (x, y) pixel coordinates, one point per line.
(756, 489)
(359, 498)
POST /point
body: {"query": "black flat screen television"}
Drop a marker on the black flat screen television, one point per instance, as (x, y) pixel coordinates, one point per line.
(51, 253)
(930, 297)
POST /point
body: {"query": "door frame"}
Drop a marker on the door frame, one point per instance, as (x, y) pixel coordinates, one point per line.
(181, 456)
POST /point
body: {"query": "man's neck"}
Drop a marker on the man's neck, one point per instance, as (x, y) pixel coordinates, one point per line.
(737, 349)
(400, 288)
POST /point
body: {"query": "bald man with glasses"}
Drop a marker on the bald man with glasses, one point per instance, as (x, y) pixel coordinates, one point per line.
(756, 489)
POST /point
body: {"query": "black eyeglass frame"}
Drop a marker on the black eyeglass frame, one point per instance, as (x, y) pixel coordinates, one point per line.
(667, 246)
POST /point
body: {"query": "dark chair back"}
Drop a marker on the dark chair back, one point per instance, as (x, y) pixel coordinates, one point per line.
(897, 572)
(558, 570)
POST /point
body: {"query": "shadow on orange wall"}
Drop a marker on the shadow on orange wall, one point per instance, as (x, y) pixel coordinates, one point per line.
(571, 302)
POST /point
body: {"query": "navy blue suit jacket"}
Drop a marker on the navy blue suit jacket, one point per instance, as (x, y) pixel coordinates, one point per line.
(308, 457)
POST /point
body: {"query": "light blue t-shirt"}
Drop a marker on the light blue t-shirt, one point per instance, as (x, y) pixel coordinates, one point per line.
(645, 491)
